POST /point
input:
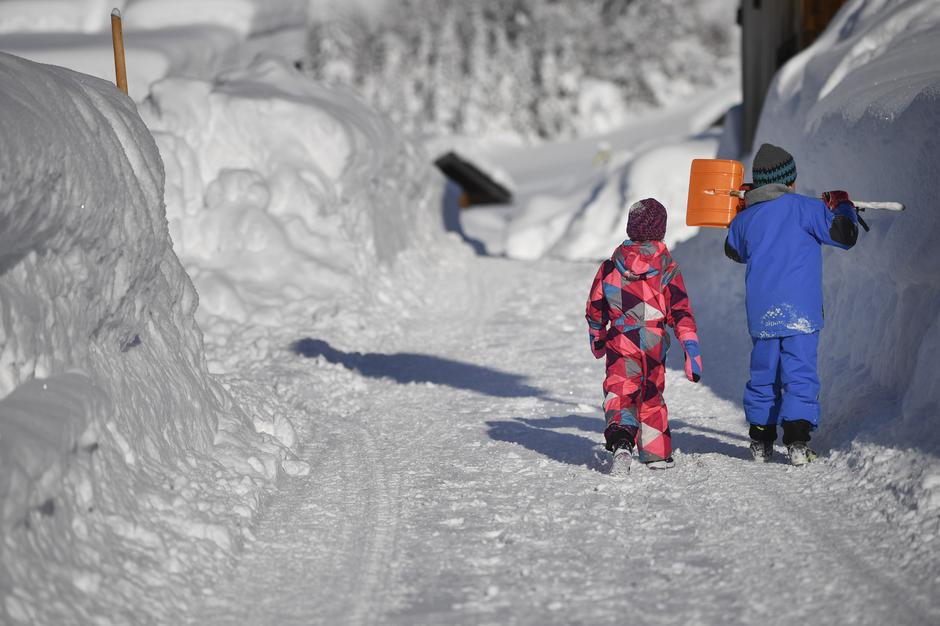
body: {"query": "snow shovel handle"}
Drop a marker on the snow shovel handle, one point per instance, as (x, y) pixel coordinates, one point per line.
(878, 206)
(737, 193)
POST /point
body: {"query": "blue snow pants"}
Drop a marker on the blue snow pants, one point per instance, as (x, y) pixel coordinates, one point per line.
(784, 385)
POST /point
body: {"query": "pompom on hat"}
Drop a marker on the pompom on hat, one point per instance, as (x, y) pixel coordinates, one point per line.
(647, 221)
(773, 164)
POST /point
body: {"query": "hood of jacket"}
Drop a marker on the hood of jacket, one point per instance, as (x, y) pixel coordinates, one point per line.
(639, 260)
(765, 193)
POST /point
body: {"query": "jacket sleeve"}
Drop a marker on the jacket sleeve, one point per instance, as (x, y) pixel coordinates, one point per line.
(678, 308)
(734, 245)
(732, 253)
(837, 228)
(597, 310)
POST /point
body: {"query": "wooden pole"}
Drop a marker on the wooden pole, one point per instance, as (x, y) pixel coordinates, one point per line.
(117, 38)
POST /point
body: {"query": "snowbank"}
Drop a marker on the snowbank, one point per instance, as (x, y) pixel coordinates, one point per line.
(860, 111)
(285, 197)
(117, 450)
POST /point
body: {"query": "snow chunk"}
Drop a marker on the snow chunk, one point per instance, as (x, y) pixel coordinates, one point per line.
(281, 193)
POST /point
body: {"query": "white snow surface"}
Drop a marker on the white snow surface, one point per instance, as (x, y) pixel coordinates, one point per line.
(123, 465)
(458, 477)
(423, 413)
(289, 203)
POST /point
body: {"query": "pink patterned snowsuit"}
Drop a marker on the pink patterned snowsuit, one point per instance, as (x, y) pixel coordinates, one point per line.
(635, 295)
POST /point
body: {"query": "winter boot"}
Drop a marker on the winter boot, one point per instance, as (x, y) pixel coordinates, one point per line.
(622, 459)
(762, 442)
(800, 453)
(762, 451)
(795, 437)
(662, 464)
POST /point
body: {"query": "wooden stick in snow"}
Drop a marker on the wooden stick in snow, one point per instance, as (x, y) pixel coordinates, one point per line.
(117, 38)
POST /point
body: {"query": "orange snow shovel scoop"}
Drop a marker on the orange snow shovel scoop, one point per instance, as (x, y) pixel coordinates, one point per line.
(716, 194)
(713, 187)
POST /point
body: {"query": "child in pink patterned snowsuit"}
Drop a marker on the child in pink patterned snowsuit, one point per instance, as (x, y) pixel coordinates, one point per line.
(635, 295)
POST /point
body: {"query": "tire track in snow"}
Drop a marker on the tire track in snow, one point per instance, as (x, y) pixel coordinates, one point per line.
(376, 555)
(323, 546)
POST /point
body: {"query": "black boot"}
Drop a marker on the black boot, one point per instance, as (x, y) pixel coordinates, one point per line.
(762, 442)
(795, 437)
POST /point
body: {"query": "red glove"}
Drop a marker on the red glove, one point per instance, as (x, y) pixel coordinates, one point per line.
(834, 198)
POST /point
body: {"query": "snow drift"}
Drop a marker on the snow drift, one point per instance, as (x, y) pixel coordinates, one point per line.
(116, 448)
(285, 197)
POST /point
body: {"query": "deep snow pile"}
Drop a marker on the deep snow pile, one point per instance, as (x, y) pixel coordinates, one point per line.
(860, 111)
(287, 199)
(126, 472)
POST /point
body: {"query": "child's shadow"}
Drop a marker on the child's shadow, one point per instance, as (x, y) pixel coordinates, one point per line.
(407, 368)
(693, 439)
(538, 435)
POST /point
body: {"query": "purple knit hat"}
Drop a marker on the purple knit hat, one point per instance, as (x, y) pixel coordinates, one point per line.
(647, 221)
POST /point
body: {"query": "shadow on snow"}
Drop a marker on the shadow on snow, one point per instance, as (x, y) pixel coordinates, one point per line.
(540, 435)
(422, 368)
(563, 447)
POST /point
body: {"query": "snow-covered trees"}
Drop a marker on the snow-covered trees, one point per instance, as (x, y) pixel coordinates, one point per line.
(522, 67)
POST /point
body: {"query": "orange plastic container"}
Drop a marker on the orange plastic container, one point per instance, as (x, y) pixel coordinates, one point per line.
(711, 182)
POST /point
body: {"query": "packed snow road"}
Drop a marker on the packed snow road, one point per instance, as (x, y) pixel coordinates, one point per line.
(458, 478)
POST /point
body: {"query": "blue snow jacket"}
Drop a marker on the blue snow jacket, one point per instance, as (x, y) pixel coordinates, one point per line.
(778, 236)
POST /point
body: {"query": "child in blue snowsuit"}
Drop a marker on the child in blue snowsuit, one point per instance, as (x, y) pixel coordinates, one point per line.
(779, 237)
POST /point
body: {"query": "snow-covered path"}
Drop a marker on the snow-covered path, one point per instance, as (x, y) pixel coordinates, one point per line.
(457, 477)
